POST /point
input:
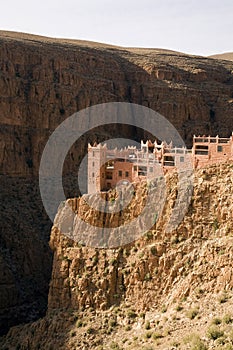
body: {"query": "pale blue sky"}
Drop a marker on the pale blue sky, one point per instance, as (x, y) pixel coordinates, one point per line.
(199, 27)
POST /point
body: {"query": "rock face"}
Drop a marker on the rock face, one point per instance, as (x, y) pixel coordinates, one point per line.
(154, 268)
(128, 287)
(42, 82)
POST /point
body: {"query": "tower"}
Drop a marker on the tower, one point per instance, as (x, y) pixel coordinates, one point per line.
(96, 158)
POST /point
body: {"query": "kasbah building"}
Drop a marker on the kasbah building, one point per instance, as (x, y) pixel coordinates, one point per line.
(109, 167)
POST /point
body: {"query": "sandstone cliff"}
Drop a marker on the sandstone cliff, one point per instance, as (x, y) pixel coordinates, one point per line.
(152, 293)
(42, 82)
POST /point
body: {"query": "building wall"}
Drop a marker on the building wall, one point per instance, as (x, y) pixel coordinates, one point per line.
(210, 150)
(120, 171)
(96, 157)
(107, 168)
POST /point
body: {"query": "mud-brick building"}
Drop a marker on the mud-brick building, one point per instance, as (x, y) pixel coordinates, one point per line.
(209, 150)
(109, 167)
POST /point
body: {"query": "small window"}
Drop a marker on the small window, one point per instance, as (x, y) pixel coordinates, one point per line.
(126, 174)
(93, 174)
(219, 148)
(182, 159)
(93, 154)
(135, 168)
(93, 163)
(151, 170)
(120, 173)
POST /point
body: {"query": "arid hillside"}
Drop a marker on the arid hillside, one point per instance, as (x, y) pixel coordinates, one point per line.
(42, 82)
(164, 291)
(224, 56)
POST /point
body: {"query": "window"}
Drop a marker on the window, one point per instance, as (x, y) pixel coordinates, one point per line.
(93, 174)
(120, 173)
(219, 148)
(135, 168)
(93, 163)
(109, 176)
(93, 154)
(151, 170)
(126, 174)
(182, 159)
(202, 150)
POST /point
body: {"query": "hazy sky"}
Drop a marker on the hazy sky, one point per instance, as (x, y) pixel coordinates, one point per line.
(199, 27)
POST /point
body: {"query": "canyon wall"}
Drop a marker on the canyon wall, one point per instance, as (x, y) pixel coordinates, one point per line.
(42, 82)
(100, 295)
(153, 267)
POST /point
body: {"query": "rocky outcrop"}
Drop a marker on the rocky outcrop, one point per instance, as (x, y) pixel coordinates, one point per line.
(42, 82)
(97, 289)
(156, 266)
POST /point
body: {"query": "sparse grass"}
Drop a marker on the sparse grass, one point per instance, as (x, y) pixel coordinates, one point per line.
(221, 340)
(148, 235)
(157, 335)
(227, 319)
(115, 346)
(216, 321)
(223, 298)
(131, 314)
(214, 332)
(95, 259)
(174, 240)
(215, 224)
(192, 313)
(179, 308)
(113, 261)
(112, 323)
(153, 250)
(90, 330)
(148, 277)
(79, 323)
(164, 309)
(195, 342)
(148, 335)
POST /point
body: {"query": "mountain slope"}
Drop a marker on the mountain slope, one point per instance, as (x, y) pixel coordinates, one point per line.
(224, 56)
